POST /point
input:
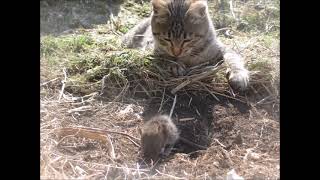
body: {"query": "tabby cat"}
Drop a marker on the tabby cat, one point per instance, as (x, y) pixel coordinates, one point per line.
(183, 30)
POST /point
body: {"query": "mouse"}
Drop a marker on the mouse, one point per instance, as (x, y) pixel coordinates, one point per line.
(158, 136)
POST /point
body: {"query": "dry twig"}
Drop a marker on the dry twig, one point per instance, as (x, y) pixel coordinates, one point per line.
(93, 133)
(63, 83)
(197, 77)
(173, 105)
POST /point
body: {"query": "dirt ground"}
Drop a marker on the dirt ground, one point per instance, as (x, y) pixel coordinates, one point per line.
(238, 136)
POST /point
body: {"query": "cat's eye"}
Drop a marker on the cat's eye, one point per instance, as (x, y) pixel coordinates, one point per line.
(186, 41)
(163, 42)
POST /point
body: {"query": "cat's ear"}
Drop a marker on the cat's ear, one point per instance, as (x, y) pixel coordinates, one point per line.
(158, 6)
(160, 10)
(197, 11)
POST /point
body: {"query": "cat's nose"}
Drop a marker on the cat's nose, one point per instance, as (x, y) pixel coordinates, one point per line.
(176, 51)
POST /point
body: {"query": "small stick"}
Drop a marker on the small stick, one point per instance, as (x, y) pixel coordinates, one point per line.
(221, 94)
(231, 9)
(205, 87)
(136, 144)
(105, 165)
(63, 83)
(190, 101)
(112, 153)
(264, 99)
(196, 78)
(262, 127)
(171, 176)
(221, 29)
(161, 104)
(173, 105)
(103, 83)
(186, 119)
(97, 130)
(48, 81)
(82, 108)
(144, 89)
(77, 167)
(247, 153)
(198, 66)
(219, 143)
(270, 93)
(108, 131)
(198, 112)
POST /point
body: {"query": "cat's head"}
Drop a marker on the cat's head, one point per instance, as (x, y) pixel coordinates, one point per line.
(179, 26)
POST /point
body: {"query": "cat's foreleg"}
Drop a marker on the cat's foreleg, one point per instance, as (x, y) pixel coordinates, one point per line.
(237, 74)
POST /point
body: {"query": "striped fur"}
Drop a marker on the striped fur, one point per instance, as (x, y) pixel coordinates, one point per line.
(183, 30)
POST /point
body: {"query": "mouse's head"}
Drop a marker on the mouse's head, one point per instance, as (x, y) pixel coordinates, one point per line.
(152, 141)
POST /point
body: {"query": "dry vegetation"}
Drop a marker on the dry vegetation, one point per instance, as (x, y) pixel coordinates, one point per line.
(95, 94)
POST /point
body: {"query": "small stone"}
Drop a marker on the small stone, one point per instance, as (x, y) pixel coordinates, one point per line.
(232, 175)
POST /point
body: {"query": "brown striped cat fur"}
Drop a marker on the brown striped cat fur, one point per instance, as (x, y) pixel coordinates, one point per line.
(183, 30)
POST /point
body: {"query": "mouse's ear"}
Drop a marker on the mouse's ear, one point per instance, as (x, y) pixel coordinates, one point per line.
(158, 128)
(163, 130)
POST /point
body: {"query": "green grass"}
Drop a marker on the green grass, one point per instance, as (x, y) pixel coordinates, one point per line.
(87, 61)
(73, 44)
(88, 57)
(142, 10)
(249, 16)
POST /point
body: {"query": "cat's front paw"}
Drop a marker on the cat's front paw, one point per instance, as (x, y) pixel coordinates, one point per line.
(177, 69)
(238, 79)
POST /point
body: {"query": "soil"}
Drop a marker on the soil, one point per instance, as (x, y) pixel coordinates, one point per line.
(236, 136)
(228, 128)
(196, 116)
